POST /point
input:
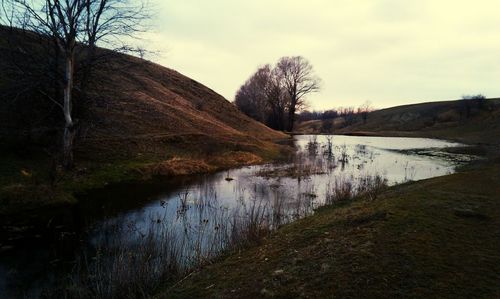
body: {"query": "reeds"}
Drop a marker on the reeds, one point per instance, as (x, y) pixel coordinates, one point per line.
(344, 188)
(136, 259)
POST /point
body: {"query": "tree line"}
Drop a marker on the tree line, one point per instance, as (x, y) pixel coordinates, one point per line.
(470, 103)
(274, 94)
(349, 114)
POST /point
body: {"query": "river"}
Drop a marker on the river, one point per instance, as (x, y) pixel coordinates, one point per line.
(205, 214)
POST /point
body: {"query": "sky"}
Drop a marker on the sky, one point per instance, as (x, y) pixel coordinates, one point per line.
(388, 52)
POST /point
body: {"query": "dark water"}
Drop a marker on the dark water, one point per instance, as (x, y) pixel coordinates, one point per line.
(34, 254)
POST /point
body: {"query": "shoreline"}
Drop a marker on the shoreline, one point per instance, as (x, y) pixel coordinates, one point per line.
(314, 256)
(66, 195)
(31, 195)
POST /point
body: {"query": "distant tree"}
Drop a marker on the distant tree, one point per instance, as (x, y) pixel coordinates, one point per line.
(75, 27)
(330, 114)
(317, 115)
(477, 100)
(364, 110)
(307, 115)
(299, 80)
(262, 97)
(277, 100)
(251, 98)
(465, 108)
(327, 126)
(470, 103)
(279, 92)
(348, 114)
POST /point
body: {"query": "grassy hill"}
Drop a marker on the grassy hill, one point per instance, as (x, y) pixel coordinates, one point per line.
(445, 119)
(137, 119)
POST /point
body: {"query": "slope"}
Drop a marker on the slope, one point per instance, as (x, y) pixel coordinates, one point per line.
(447, 119)
(135, 119)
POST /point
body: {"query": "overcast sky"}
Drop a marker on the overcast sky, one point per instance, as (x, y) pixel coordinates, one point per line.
(390, 52)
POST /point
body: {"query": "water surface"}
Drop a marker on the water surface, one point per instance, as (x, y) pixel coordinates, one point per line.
(200, 207)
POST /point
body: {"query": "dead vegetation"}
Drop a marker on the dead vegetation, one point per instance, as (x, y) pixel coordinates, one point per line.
(176, 166)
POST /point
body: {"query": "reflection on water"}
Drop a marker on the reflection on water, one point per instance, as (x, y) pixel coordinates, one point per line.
(206, 214)
(285, 195)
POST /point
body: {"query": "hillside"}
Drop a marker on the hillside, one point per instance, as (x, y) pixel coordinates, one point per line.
(434, 119)
(140, 100)
(137, 118)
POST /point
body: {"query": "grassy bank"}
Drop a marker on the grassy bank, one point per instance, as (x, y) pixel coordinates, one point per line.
(29, 182)
(436, 238)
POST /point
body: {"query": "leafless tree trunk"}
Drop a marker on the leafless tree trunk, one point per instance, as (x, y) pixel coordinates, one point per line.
(69, 126)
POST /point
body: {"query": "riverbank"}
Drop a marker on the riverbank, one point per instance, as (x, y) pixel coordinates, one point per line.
(29, 184)
(433, 238)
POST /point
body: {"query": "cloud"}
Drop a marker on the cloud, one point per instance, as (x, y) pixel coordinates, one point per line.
(388, 51)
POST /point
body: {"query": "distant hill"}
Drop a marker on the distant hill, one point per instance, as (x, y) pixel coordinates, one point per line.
(446, 119)
(135, 107)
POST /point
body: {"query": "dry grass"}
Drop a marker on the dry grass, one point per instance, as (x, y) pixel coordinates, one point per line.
(232, 159)
(136, 109)
(159, 107)
(176, 166)
(133, 102)
(188, 166)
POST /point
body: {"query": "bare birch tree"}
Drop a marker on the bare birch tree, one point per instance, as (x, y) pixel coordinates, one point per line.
(77, 27)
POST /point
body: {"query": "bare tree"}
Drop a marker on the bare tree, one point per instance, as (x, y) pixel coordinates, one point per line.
(251, 98)
(77, 27)
(263, 98)
(278, 92)
(277, 99)
(349, 115)
(299, 80)
(364, 110)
